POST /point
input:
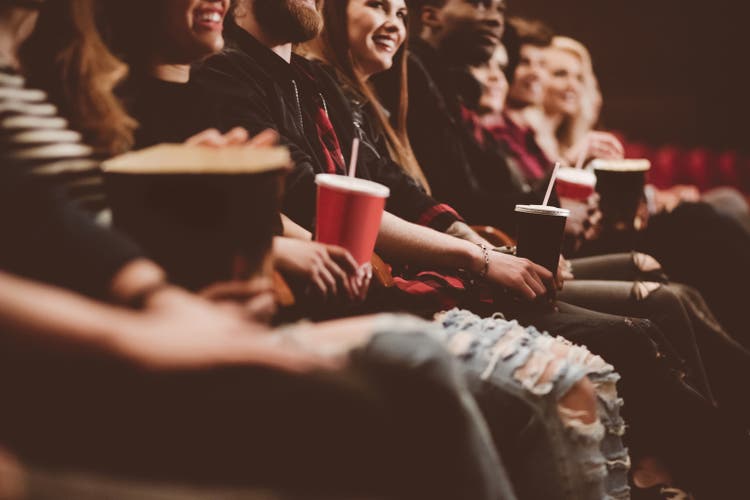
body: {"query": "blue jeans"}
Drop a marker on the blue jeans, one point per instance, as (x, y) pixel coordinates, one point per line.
(549, 453)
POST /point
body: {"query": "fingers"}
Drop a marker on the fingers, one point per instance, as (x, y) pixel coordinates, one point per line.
(236, 137)
(319, 284)
(324, 274)
(339, 274)
(209, 138)
(266, 138)
(343, 258)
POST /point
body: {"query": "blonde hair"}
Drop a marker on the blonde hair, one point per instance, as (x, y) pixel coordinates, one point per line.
(575, 128)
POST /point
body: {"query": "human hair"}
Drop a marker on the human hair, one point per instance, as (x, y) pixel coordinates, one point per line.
(117, 20)
(520, 32)
(575, 128)
(66, 57)
(335, 50)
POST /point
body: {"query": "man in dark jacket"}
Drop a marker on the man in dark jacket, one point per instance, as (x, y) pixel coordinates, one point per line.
(266, 86)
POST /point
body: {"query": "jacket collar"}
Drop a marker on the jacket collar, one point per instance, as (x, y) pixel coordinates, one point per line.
(276, 67)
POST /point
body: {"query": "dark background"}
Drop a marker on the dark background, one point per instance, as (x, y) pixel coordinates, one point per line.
(672, 71)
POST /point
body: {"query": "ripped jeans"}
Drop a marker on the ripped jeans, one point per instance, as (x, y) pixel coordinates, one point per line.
(549, 451)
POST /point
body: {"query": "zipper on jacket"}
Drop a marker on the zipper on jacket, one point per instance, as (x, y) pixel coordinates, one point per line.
(299, 106)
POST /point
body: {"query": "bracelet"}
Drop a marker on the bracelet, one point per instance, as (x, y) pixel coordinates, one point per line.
(486, 254)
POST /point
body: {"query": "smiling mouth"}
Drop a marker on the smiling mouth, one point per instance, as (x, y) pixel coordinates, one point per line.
(385, 43)
(210, 18)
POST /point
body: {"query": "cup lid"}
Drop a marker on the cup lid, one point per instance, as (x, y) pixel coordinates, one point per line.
(641, 165)
(178, 159)
(543, 210)
(352, 185)
(577, 176)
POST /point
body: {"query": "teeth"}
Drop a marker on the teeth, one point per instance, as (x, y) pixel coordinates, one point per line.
(211, 17)
(388, 43)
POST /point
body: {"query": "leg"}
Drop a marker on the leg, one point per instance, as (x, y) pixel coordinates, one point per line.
(537, 387)
(370, 431)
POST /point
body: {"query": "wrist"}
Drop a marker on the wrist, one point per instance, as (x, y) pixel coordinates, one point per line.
(474, 258)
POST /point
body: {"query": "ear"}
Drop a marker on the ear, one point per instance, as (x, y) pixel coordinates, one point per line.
(430, 16)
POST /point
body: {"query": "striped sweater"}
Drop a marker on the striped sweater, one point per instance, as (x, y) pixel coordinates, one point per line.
(35, 138)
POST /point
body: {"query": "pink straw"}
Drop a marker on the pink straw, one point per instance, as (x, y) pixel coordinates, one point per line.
(355, 154)
(583, 155)
(551, 183)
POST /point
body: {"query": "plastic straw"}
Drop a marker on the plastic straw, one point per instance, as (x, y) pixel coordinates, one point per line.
(355, 154)
(551, 184)
(583, 155)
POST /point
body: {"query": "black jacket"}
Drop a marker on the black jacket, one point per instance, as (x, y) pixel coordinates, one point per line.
(475, 179)
(256, 89)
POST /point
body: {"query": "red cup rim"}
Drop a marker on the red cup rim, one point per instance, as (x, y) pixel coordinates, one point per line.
(346, 184)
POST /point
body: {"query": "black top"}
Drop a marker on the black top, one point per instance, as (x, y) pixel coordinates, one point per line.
(43, 236)
(257, 89)
(474, 178)
(168, 112)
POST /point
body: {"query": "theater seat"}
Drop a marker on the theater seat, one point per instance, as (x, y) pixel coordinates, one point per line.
(494, 236)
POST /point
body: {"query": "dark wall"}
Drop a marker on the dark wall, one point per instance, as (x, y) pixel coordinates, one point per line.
(670, 70)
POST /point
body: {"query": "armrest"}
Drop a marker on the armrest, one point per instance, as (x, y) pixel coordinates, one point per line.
(381, 272)
(494, 236)
(284, 294)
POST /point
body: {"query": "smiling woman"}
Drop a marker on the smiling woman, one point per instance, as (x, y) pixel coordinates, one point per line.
(177, 33)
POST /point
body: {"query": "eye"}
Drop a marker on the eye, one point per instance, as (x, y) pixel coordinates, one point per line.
(376, 4)
(403, 14)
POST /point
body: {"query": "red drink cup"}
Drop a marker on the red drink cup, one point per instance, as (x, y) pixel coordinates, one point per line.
(575, 184)
(349, 213)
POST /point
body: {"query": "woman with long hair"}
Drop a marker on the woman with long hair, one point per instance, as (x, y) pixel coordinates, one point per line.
(356, 61)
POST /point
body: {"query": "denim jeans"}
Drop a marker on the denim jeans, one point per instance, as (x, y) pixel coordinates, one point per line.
(548, 455)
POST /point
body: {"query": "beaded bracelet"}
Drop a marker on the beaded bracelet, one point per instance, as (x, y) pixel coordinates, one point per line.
(486, 254)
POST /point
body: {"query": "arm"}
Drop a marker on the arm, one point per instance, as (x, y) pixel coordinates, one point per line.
(410, 243)
(177, 331)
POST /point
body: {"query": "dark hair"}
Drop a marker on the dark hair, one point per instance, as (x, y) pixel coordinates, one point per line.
(415, 10)
(117, 19)
(520, 32)
(336, 51)
(66, 57)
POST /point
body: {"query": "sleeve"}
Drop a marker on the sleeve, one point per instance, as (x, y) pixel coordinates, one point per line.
(473, 180)
(242, 103)
(46, 239)
(408, 199)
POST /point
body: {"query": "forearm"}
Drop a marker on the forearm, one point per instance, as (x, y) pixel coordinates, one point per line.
(294, 230)
(462, 230)
(408, 243)
(58, 319)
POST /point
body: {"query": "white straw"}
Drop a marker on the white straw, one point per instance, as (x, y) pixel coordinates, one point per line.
(355, 154)
(551, 183)
(583, 155)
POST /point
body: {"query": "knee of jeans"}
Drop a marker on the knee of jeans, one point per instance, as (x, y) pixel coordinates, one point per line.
(577, 407)
(645, 263)
(642, 290)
